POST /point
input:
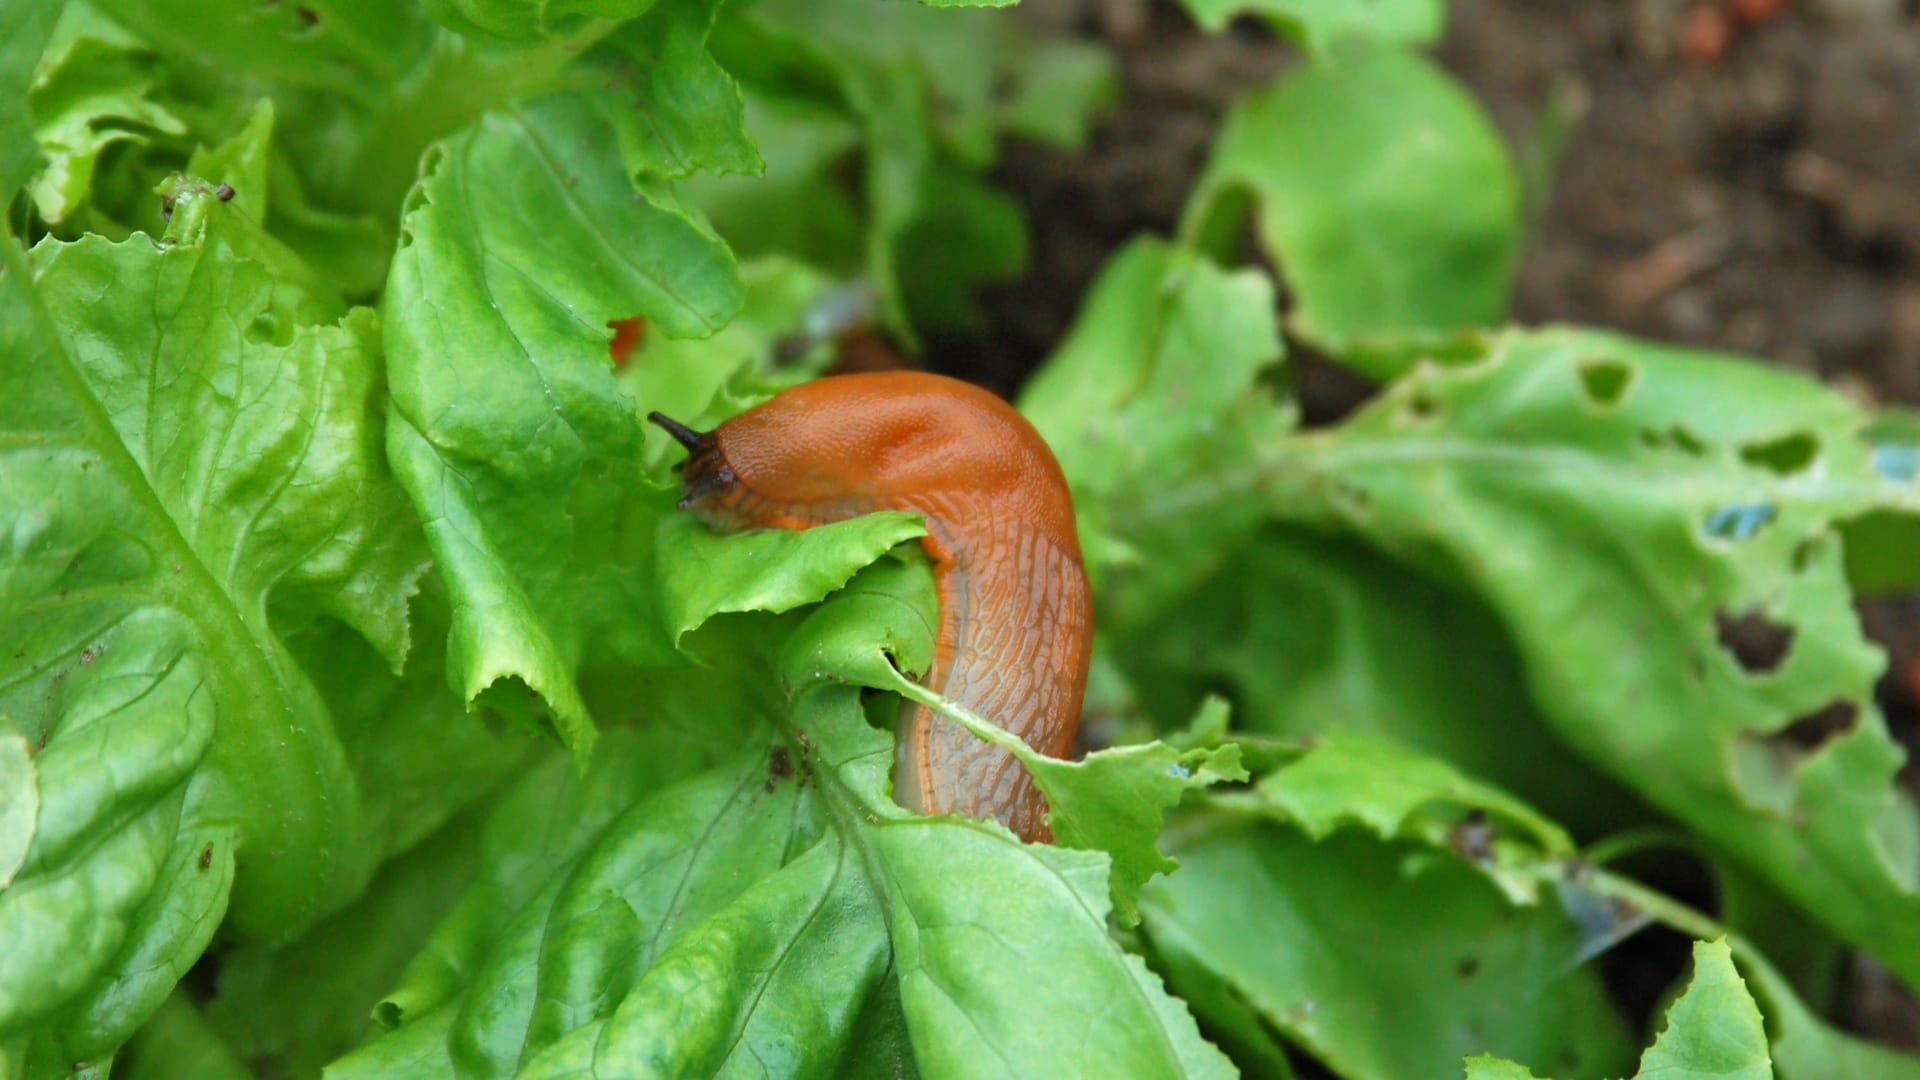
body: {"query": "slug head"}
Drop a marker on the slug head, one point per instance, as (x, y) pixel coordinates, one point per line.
(708, 486)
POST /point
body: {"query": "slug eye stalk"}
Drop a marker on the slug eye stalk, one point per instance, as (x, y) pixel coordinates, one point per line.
(681, 433)
(703, 472)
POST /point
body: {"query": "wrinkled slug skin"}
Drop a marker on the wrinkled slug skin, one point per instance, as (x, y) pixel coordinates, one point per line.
(1016, 616)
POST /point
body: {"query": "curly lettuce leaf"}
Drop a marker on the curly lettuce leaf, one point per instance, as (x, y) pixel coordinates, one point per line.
(524, 240)
(94, 87)
(194, 471)
(782, 890)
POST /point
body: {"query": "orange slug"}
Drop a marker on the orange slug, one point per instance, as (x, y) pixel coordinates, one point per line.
(1016, 615)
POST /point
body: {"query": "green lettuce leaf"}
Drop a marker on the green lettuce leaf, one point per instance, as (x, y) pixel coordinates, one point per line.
(1384, 193)
(524, 240)
(1158, 386)
(1379, 960)
(24, 30)
(193, 472)
(1572, 480)
(94, 88)
(783, 892)
(1713, 1031)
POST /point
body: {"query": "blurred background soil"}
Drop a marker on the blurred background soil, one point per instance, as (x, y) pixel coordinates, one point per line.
(1744, 174)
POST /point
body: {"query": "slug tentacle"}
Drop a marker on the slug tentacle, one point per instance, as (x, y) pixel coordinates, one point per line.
(1016, 615)
(681, 433)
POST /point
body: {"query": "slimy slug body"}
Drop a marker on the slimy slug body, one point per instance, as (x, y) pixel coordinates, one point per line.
(1016, 616)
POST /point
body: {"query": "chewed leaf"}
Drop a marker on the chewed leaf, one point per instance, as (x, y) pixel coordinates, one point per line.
(1606, 532)
(1116, 800)
(1384, 192)
(1348, 778)
(1714, 1030)
(704, 573)
(1315, 937)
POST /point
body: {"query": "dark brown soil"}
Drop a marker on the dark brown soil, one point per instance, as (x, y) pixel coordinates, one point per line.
(1757, 193)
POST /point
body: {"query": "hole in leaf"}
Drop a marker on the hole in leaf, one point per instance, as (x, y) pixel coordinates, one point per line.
(1605, 381)
(1758, 643)
(1897, 462)
(1421, 407)
(1784, 456)
(1676, 438)
(1811, 731)
(1738, 521)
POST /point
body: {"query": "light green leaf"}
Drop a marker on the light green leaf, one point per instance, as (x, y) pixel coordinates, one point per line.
(1384, 193)
(704, 574)
(1114, 800)
(1380, 961)
(524, 241)
(359, 90)
(93, 88)
(532, 20)
(1350, 778)
(1154, 389)
(609, 905)
(674, 109)
(178, 1041)
(292, 1009)
(1317, 634)
(19, 804)
(997, 942)
(25, 27)
(1582, 486)
(769, 985)
(1713, 1031)
(1318, 25)
(1060, 87)
(923, 95)
(538, 828)
(190, 471)
(1488, 1067)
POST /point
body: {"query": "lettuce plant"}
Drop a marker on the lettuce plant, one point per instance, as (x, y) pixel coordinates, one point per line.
(366, 709)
